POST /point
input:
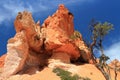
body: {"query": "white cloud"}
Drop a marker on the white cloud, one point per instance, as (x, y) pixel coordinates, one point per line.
(113, 51)
(15, 8)
(10, 8)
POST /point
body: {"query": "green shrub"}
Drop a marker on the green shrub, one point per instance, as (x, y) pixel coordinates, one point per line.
(65, 75)
(75, 35)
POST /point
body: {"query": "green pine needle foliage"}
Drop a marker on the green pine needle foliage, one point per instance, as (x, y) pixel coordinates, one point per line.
(100, 30)
(65, 75)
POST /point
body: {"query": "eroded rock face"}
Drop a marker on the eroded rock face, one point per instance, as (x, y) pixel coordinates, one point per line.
(85, 52)
(2, 59)
(33, 45)
(57, 29)
(61, 19)
(70, 49)
(24, 22)
(17, 51)
(115, 63)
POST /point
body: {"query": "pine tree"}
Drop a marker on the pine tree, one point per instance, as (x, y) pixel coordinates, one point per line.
(99, 31)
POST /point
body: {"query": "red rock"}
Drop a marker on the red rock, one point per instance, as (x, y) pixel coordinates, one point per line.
(2, 59)
(54, 37)
(33, 45)
(61, 56)
(69, 49)
(61, 19)
(24, 21)
(84, 50)
(57, 29)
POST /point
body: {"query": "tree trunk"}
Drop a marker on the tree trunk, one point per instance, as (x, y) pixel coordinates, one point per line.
(106, 75)
(91, 49)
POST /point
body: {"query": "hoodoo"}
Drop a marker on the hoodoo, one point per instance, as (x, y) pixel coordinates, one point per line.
(36, 45)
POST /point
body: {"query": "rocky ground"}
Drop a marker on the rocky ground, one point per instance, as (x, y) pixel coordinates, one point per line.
(86, 70)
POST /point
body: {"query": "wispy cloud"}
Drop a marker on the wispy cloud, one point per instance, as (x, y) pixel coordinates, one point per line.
(9, 8)
(113, 51)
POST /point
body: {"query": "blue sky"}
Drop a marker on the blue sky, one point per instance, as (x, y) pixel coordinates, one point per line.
(83, 10)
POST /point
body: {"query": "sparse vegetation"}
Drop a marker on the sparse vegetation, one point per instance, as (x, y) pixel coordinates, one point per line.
(75, 35)
(103, 66)
(99, 31)
(65, 75)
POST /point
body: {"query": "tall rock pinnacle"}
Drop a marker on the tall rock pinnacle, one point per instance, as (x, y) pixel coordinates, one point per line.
(62, 19)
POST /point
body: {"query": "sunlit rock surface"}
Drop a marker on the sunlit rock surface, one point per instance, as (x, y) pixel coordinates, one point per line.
(34, 46)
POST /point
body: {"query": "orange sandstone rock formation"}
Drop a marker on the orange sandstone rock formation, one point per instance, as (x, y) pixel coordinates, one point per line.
(2, 59)
(62, 19)
(17, 48)
(57, 29)
(33, 45)
(115, 63)
(84, 50)
(24, 22)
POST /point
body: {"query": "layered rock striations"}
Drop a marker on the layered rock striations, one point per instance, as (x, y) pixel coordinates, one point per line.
(17, 48)
(34, 45)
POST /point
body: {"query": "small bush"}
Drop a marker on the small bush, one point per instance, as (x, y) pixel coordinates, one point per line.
(65, 75)
(75, 35)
